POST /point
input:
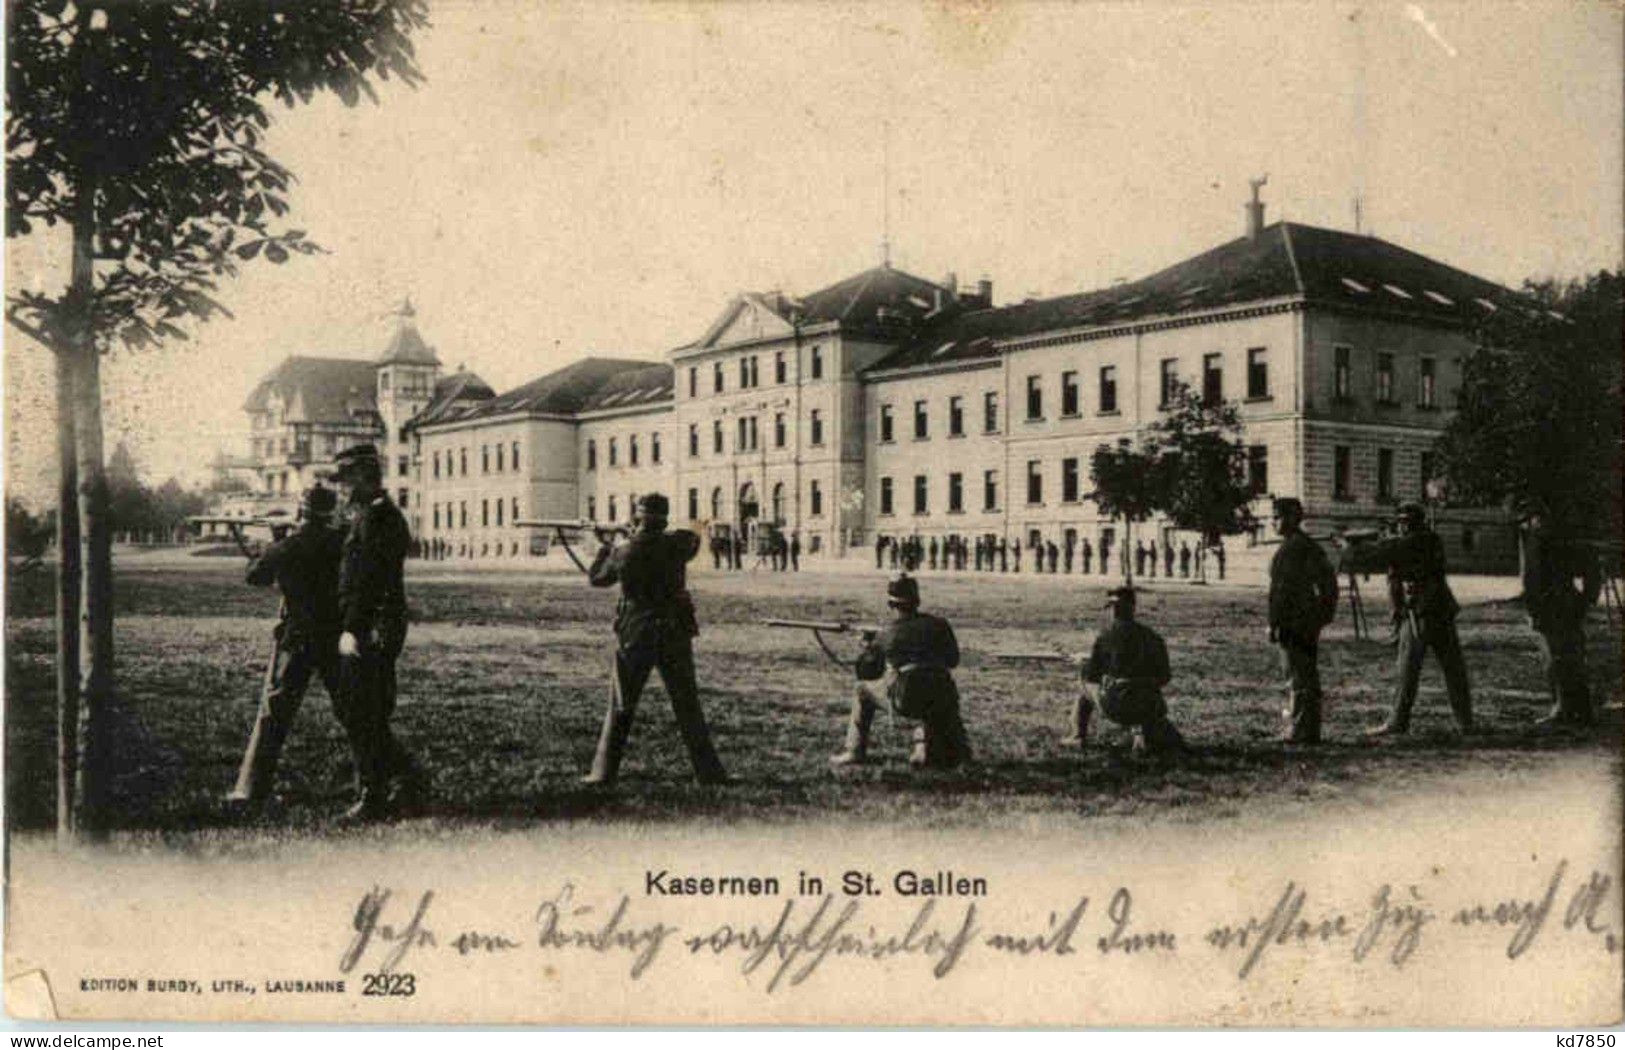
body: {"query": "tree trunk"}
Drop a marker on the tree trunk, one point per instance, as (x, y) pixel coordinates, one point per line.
(68, 584)
(96, 556)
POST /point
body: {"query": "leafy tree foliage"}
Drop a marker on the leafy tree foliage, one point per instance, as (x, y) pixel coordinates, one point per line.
(1201, 467)
(1539, 415)
(1126, 487)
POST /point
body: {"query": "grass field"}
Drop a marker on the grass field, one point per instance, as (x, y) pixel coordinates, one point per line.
(504, 680)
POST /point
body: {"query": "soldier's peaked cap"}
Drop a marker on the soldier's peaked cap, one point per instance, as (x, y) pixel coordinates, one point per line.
(905, 590)
(366, 452)
(318, 500)
(1119, 594)
(1410, 511)
(654, 505)
(1289, 505)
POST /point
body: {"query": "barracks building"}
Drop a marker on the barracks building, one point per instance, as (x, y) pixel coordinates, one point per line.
(889, 404)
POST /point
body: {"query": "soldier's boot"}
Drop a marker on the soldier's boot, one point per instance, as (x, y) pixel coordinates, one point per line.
(919, 755)
(1162, 738)
(856, 751)
(1081, 712)
(947, 741)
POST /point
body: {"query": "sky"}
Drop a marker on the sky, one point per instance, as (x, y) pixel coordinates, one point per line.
(602, 178)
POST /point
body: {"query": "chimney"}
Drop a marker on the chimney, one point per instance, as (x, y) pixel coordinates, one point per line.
(1255, 209)
(984, 288)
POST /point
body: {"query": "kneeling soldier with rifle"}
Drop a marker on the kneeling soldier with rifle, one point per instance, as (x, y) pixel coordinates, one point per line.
(654, 626)
(907, 665)
(305, 568)
(1124, 677)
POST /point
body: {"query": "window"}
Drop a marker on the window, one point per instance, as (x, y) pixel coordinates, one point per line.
(817, 421)
(716, 377)
(499, 458)
(1342, 373)
(956, 493)
(400, 499)
(1426, 391)
(513, 455)
(1426, 470)
(1035, 397)
(778, 367)
(739, 438)
(437, 516)
(755, 436)
(1069, 480)
(632, 450)
(693, 381)
(485, 459)
(1385, 475)
(592, 508)
(744, 373)
(778, 503)
(1385, 379)
(956, 416)
(1340, 473)
(990, 413)
(693, 440)
(437, 464)
(693, 504)
(716, 503)
(485, 513)
(612, 508)
(716, 436)
(1170, 377)
(990, 490)
(515, 515)
(499, 512)
(1035, 482)
(755, 375)
(921, 494)
(1212, 379)
(1258, 469)
(778, 430)
(886, 433)
(1108, 388)
(1069, 393)
(817, 368)
(614, 452)
(1258, 372)
(654, 447)
(815, 498)
(383, 381)
(885, 496)
(922, 421)
(462, 459)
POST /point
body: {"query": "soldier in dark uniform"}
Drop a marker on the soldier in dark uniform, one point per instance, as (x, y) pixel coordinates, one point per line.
(795, 552)
(372, 608)
(1088, 554)
(1557, 611)
(1184, 560)
(880, 549)
(1124, 677)
(655, 627)
(908, 666)
(1425, 612)
(1053, 553)
(1303, 600)
(305, 568)
(1168, 558)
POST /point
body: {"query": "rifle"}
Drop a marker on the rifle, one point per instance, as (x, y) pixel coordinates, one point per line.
(279, 527)
(562, 526)
(821, 627)
(1071, 659)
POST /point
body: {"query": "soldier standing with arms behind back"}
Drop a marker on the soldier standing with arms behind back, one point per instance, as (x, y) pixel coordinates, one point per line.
(655, 627)
(305, 568)
(1303, 600)
(1425, 612)
(372, 608)
(1551, 564)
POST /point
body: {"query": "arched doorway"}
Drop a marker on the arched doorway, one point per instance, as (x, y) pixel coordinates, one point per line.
(750, 507)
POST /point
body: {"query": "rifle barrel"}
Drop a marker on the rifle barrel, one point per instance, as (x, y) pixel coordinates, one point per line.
(821, 625)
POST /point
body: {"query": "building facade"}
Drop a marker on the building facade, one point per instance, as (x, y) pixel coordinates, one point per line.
(887, 404)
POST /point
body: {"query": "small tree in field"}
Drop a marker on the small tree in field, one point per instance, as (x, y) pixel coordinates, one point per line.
(138, 126)
(1126, 489)
(1201, 465)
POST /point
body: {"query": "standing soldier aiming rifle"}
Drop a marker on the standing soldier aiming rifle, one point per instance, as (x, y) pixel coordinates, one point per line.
(1425, 612)
(1303, 600)
(372, 608)
(655, 627)
(908, 667)
(304, 566)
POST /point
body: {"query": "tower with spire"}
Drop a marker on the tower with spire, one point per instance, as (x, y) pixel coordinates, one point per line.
(407, 371)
